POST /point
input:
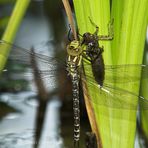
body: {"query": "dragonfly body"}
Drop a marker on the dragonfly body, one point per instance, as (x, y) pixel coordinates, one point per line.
(88, 48)
(74, 58)
(94, 55)
(98, 70)
(94, 51)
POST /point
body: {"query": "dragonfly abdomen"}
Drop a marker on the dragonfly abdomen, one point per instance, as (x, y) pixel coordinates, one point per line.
(74, 52)
(98, 70)
(76, 107)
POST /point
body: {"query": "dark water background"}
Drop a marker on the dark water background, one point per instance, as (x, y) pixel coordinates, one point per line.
(43, 22)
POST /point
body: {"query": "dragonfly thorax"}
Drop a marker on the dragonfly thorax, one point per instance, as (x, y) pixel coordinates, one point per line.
(92, 50)
(73, 64)
(74, 48)
(74, 57)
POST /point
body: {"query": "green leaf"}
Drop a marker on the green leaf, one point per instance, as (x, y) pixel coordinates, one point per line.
(116, 127)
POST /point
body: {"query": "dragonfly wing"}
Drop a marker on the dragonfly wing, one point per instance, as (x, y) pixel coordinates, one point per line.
(23, 56)
(115, 97)
(125, 73)
(20, 65)
(53, 80)
(129, 73)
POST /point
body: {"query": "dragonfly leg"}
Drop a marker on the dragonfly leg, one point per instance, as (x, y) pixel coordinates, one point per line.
(110, 32)
(70, 34)
(79, 33)
(86, 57)
(110, 28)
(97, 28)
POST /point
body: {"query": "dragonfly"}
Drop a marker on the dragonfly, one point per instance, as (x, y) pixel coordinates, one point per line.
(88, 51)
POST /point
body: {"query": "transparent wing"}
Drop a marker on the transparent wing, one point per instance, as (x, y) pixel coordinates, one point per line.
(128, 73)
(46, 54)
(125, 73)
(114, 96)
(48, 67)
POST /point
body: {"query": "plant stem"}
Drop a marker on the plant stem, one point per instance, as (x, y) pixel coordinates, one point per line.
(12, 27)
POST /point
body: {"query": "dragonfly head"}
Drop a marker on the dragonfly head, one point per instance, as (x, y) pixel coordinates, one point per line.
(74, 48)
(89, 38)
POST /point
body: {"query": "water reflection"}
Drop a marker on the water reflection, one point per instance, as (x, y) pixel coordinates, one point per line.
(18, 123)
(32, 101)
(16, 140)
(19, 132)
(25, 139)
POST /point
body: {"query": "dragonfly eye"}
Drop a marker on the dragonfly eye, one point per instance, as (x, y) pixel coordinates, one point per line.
(88, 38)
(71, 47)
